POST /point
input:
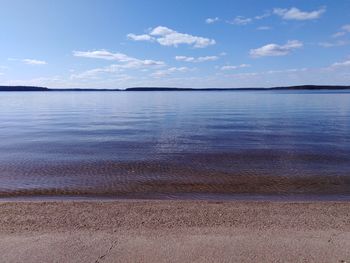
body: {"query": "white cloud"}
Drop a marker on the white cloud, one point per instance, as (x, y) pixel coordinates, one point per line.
(184, 58)
(126, 63)
(130, 62)
(182, 77)
(333, 44)
(341, 64)
(339, 34)
(143, 37)
(296, 14)
(276, 50)
(259, 79)
(115, 81)
(286, 70)
(263, 28)
(240, 20)
(40, 81)
(99, 73)
(168, 71)
(94, 73)
(344, 30)
(207, 58)
(161, 31)
(169, 37)
(29, 61)
(33, 62)
(211, 20)
(230, 67)
(198, 59)
(102, 54)
(267, 14)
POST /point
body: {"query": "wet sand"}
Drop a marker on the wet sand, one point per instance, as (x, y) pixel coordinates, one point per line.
(174, 231)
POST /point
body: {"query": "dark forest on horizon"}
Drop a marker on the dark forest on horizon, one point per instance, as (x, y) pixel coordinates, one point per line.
(301, 87)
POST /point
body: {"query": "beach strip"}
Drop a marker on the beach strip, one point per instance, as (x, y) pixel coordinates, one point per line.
(174, 231)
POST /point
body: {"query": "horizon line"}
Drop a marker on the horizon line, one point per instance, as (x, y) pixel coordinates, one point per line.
(153, 88)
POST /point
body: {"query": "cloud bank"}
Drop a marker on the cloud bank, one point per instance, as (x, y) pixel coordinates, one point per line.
(276, 50)
(129, 62)
(230, 67)
(169, 37)
(296, 14)
(211, 20)
(198, 59)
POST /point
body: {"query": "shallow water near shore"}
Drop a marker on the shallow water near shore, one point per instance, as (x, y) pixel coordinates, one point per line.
(175, 145)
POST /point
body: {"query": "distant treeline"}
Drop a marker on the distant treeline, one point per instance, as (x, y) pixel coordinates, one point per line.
(22, 88)
(302, 87)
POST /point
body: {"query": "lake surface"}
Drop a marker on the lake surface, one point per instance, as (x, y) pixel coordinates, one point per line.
(225, 144)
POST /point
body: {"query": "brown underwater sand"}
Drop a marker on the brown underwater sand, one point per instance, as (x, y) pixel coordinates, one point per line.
(174, 231)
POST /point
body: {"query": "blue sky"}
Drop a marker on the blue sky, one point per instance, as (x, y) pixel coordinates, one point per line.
(182, 43)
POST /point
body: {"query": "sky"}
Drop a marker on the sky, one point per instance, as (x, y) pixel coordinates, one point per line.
(182, 43)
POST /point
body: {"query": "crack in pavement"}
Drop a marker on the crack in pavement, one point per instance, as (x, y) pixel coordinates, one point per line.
(98, 260)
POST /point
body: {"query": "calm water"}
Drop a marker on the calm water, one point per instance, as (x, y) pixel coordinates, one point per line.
(175, 144)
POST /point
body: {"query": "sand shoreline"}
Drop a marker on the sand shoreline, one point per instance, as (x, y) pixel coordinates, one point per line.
(174, 231)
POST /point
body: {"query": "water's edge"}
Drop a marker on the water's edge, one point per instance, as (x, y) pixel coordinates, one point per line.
(213, 198)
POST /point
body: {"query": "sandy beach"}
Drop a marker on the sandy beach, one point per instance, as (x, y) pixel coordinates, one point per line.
(174, 231)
